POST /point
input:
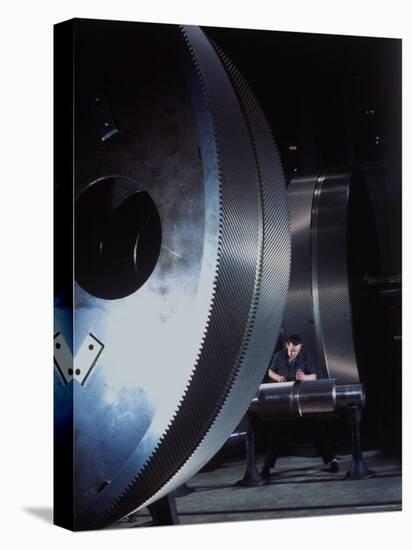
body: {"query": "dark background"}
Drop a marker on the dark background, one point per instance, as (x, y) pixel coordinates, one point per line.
(332, 102)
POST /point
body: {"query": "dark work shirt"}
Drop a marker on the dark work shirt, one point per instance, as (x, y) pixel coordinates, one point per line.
(281, 365)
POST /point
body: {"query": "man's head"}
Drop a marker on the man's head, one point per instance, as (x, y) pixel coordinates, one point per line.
(293, 346)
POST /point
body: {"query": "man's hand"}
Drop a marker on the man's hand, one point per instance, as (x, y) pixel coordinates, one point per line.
(300, 375)
(275, 376)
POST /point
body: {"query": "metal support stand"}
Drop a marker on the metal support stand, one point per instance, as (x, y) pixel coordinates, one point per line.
(358, 468)
(164, 511)
(183, 490)
(251, 477)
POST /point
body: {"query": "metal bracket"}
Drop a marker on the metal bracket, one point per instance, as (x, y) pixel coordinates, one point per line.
(84, 362)
(63, 358)
(86, 358)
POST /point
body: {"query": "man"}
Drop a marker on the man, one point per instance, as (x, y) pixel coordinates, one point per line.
(295, 363)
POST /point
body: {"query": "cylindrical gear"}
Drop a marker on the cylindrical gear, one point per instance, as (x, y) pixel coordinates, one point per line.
(186, 206)
(331, 229)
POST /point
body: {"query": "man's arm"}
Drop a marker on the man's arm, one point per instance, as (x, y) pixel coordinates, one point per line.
(309, 372)
(300, 375)
(275, 376)
(273, 368)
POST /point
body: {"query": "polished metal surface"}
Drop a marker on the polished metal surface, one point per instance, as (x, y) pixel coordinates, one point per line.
(316, 397)
(319, 306)
(306, 398)
(275, 400)
(184, 350)
(299, 311)
(330, 278)
(348, 395)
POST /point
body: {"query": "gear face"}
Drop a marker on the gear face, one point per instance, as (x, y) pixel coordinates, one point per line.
(182, 263)
(331, 222)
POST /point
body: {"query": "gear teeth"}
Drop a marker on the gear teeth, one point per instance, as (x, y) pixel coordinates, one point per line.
(116, 508)
(181, 444)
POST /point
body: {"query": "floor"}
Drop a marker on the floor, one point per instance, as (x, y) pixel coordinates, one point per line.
(298, 487)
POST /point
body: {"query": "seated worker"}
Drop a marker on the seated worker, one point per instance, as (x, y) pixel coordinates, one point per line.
(292, 363)
(295, 363)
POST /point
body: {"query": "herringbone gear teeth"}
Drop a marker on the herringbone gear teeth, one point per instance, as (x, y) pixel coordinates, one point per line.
(191, 346)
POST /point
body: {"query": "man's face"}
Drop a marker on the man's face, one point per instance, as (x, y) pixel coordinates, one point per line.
(293, 351)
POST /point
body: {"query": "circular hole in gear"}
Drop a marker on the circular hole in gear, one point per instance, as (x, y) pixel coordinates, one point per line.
(117, 237)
